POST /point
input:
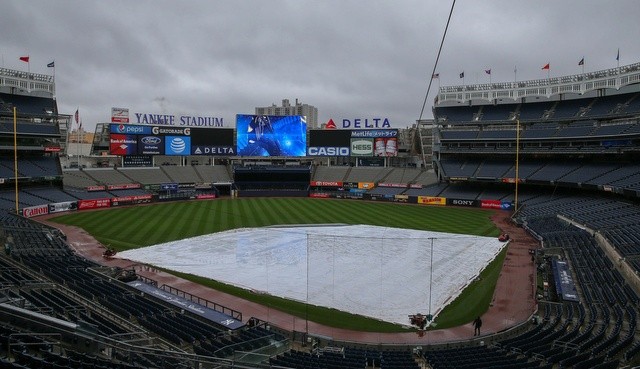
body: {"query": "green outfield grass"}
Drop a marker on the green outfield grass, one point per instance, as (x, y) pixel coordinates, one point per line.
(138, 226)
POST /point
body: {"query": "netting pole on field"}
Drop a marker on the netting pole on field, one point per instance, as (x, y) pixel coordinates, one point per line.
(306, 309)
(430, 277)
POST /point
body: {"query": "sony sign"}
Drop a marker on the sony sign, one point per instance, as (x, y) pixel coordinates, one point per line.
(360, 123)
(328, 151)
(463, 202)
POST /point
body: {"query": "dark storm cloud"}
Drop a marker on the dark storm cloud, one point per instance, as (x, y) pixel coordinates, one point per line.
(351, 59)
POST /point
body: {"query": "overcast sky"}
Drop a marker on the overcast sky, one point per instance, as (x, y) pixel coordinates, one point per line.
(349, 58)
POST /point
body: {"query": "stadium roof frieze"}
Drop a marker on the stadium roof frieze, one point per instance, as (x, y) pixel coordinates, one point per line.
(11, 78)
(613, 78)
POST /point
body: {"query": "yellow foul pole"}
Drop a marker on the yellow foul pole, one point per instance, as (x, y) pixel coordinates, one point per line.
(517, 163)
(15, 152)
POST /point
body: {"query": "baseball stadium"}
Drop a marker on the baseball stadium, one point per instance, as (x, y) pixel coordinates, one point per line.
(502, 233)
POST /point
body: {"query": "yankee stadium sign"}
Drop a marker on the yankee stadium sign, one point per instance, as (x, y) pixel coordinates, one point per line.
(182, 120)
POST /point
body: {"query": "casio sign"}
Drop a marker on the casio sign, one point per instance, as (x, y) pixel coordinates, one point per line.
(328, 151)
(150, 140)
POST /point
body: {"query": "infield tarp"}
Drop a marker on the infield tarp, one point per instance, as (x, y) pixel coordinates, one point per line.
(379, 272)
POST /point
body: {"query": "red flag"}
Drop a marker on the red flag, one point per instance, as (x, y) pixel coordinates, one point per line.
(546, 67)
(25, 58)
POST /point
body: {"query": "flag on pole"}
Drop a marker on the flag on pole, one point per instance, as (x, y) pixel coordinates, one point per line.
(487, 71)
(618, 55)
(51, 65)
(435, 75)
(546, 67)
(25, 58)
(77, 115)
(581, 62)
(462, 75)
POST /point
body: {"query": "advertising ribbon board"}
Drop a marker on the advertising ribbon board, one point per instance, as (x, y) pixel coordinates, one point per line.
(429, 200)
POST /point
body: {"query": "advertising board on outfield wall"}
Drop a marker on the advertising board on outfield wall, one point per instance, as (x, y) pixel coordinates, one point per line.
(429, 200)
(94, 204)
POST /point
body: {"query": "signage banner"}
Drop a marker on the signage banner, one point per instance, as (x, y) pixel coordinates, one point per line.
(462, 202)
(328, 151)
(119, 115)
(137, 199)
(34, 211)
(320, 195)
(374, 133)
(361, 147)
(366, 185)
(62, 206)
(169, 186)
(491, 204)
(325, 184)
(126, 186)
(150, 145)
(95, 188)
(395, 185)
(360, 123)
(506, 205)
(178, 120)
(94, 204)
(429, 200)
(385, 146)
(401, 198)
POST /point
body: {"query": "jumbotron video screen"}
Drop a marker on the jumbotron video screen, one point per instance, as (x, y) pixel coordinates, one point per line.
(267, 135)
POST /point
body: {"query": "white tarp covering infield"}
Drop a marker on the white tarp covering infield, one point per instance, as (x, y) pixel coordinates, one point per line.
(379, 272)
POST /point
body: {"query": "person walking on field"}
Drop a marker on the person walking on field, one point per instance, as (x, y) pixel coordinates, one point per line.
(476, 326)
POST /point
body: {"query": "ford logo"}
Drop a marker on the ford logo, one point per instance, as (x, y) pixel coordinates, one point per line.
(150, 140)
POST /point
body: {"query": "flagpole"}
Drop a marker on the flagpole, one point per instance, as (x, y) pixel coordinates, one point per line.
(77, 137)
(515, 74)
(29, 75)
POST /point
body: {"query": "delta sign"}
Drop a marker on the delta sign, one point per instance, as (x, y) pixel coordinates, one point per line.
(358, 123)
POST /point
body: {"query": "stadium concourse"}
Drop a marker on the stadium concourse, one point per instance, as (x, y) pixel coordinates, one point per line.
(512, 303)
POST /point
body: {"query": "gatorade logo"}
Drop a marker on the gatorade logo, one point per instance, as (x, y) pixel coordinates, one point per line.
(330, 125)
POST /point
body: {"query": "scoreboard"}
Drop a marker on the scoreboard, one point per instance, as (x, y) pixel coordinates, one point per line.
(129, 139)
